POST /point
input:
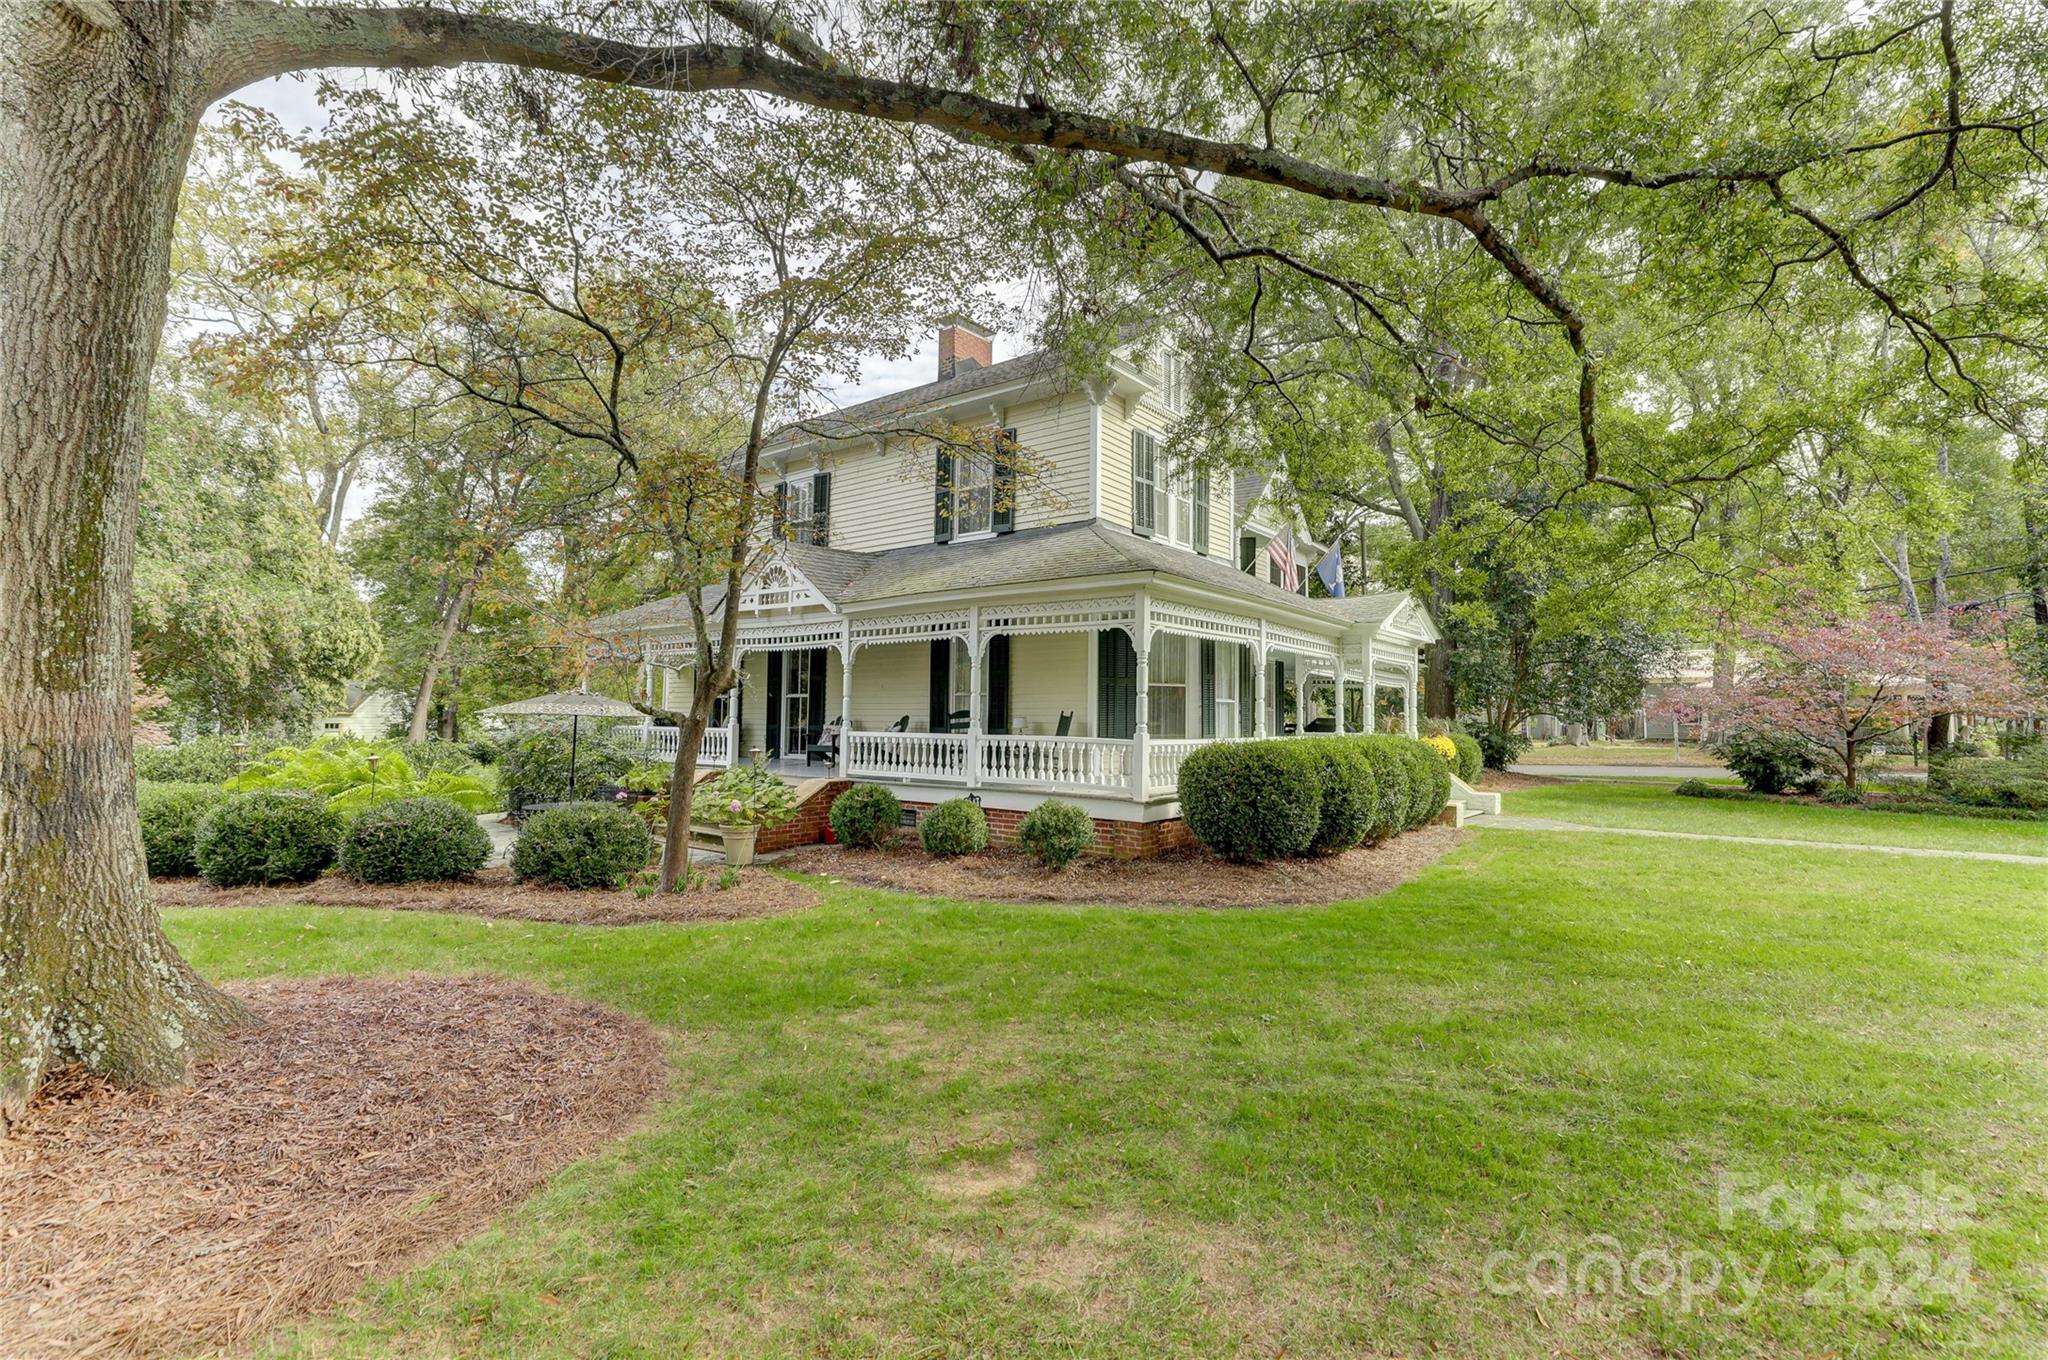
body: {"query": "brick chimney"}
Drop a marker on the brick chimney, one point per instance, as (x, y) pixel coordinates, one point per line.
(963, 344)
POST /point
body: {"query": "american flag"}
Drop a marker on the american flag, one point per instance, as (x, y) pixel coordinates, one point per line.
(1281, 549)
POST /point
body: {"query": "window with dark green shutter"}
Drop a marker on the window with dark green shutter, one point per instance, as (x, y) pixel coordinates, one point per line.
(1144, 483)
(781, 510)
(820, 527)
(1208, 688)
(1202, 513)
(942, 499)
(1247, 712)
(997, 719)
(1116, 685)
(1003, 518)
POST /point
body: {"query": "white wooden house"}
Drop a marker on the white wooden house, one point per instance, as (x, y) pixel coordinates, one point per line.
(1075, 632)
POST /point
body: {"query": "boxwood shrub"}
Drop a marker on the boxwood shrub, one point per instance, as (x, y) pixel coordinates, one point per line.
(412, 840)
(1056, 833)
(1391, 785)
(1471, 760)
(170, 822)
(1428, 782)
(865, 815)
(584, 845)
(1253, 800)
(1350, 794)
(954, 827)
(266, 836)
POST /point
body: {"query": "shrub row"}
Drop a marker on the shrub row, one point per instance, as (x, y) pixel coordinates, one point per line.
(293, 836)
(1056, 833)
(1259, 800)
(1925, 806)
(2021, 783)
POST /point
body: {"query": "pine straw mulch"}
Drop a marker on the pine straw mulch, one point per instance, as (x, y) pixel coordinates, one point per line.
(492, 892)
(365, 1125)
(1495, 781)
(1193, 878)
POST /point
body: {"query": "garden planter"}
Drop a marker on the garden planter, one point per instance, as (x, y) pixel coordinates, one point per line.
(736, 843)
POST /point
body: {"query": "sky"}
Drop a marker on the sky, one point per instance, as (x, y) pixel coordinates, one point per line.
(293, 99)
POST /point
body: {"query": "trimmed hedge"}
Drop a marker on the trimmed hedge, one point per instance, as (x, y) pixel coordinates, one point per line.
(170, 823)
(1471, 760)
(2021, 783)
(865, 815)
(584, 845)
(413, 840)
(1350, 794)
(1931, 807)
(1253, 801)
(1429, 777)
(954, 827)
(266, 836)
(1765, 762)
(1056, 833)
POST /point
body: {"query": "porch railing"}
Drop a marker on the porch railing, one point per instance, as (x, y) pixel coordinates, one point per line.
(1078, 763)
(714, 749)
(1163, 758)
(906, 755)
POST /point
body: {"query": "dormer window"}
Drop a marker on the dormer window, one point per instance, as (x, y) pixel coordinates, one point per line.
(803, 509)
(1169, 503)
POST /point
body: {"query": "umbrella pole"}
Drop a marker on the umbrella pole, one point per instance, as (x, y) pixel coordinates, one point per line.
(574, 721)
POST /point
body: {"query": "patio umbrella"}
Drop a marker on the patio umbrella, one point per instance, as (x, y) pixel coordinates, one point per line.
(573, 704)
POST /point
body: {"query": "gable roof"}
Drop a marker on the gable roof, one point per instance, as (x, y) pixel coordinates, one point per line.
(879, 411)
(1058, 553)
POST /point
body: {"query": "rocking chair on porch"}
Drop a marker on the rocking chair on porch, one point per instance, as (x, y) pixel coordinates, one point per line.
(827, 744)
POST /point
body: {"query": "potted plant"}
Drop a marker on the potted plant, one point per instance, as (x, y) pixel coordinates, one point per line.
(733, 807)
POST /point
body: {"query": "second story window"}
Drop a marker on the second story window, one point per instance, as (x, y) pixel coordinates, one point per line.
(803, 509)
(1173, 386)
(974, 485)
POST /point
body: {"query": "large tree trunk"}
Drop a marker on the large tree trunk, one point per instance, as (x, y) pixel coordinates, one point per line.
(94, 132)
(423, 698)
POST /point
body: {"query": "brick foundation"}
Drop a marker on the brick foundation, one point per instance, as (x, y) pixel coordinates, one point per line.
(811, 820)
(1118, 840)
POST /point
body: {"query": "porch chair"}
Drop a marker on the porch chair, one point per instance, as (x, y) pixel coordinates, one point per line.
(827, 744)
(1066, 727)
(957, 720)
(902, 724)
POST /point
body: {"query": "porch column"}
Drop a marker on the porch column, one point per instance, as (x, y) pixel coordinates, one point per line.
(1342, 678)
(974, 697)
(1408, 700)
(1141, 734)
(845, 697)
(1259, 684)
(733, 752)
(1372, 690)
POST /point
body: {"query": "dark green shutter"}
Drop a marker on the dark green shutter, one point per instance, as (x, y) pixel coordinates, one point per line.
(814, 715)
(997, 719)
(772, 729)
(821, 508)
(942, 683)
(1004, 516)
(1247, 699)
(1202, 514)
(942, 498)
(1248, 554)
(1142, 473)
(781, 509)
(1208, 688)
(1116, 685)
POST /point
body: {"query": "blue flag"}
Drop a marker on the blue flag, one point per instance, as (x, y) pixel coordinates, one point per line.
(1331, 572)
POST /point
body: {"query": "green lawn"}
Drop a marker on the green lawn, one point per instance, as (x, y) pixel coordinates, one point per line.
(1641, 803)
(932, 1129)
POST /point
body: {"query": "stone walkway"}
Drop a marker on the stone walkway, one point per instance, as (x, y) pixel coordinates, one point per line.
(1510, 822)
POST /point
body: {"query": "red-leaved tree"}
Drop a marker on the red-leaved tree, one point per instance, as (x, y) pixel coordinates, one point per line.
(1841, 681)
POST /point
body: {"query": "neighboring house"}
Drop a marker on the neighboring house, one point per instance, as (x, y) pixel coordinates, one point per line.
(1076, 631)
(364, 713)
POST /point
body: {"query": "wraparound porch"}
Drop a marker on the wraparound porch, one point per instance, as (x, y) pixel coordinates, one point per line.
(1095, 698)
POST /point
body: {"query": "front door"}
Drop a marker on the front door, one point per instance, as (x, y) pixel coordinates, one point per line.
(796, 700)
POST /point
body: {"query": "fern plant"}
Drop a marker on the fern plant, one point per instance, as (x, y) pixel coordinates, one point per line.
(338, 770)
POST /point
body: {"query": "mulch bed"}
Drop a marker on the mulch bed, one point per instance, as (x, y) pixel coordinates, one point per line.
(492, 892)
(1182, 878)
(367, 1124)
(1494, 781)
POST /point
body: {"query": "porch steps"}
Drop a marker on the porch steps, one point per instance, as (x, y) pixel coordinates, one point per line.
(1477, 804)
